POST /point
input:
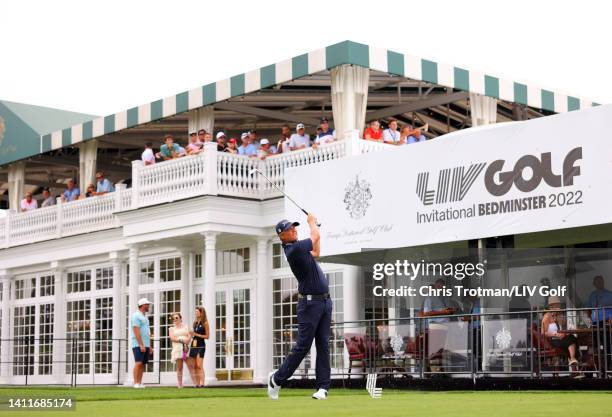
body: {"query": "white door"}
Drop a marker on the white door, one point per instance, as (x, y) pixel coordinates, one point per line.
(233, 325)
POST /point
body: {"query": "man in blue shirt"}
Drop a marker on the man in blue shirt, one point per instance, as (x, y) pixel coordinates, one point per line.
(170, 150)
(600, 297)
(104, 185)
(140, 337)
(246, 147)
(72, 192)
(314, 309)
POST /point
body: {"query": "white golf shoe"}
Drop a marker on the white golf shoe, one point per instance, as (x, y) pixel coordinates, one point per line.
(273, 389)
(321, 394)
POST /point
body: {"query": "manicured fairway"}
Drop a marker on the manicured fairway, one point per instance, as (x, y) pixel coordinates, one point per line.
(252, 402)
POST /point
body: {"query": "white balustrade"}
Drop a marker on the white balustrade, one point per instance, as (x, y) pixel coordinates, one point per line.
(208, 173)
(170, 180)
(88, 215)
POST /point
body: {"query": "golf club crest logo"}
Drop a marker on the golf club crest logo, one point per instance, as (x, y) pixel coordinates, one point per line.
(2, 129)
(357, 196)
(503, 338)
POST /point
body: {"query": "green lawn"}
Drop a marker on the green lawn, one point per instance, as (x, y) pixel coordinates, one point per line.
(252, 402)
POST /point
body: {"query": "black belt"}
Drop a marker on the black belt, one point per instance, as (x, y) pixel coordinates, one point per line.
(320, 297)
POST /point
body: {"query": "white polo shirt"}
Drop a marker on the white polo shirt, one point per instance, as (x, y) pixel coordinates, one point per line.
(391, 135)
(148, 157)
(296, 141)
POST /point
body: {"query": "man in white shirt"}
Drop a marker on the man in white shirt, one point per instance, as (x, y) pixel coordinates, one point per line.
(148, 157)
(327, 134)
(391, 135)
(299, 140)
(28, 203)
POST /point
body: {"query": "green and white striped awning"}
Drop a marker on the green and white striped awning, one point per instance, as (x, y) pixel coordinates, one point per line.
(347, 52)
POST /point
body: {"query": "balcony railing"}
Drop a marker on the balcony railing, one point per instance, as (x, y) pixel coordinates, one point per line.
(208, 173)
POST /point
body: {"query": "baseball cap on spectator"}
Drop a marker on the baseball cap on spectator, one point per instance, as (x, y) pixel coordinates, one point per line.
(264, 141)
(299, 126)
(244, 135)
(324, 119)
(220, 135)
(232, 140)
(193, 133)
(143, 301)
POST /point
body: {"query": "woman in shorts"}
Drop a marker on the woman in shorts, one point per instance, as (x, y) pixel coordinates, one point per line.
(199, 335)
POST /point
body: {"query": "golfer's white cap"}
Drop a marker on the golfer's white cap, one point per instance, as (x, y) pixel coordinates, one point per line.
(264, 142)
(220, 135)
(143, 301)
(300, 126)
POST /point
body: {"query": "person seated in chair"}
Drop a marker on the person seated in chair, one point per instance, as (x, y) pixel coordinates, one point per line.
(564, 341)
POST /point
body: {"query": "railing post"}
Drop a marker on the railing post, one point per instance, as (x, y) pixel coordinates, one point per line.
(262, 183)
(136, 167)
(7, 229)
(119, 190)
(352, 142)
(210, 168)
(60, 216)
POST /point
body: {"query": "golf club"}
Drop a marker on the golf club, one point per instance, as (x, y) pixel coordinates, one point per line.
(254, 170)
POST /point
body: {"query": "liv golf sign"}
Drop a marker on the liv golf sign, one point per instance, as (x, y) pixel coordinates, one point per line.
(544, 174)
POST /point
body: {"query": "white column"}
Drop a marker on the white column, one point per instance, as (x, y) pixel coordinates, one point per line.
(202, 118)
(59, 323)
(186, 286)
(483, 109)
(133, 300)
(349, 92)
(5, 346)
(16, 184)
(263, 307)
(210, 166)
(119, 320)
(88, 156)
(352, 294)
(210, 277)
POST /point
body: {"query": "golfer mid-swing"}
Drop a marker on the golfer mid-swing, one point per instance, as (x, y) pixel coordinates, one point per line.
(314, 308)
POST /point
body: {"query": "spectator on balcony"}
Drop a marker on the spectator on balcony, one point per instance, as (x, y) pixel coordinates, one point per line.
(247, 148)
(28, 203)
(326, 134)
(390, 134)
(48, 199)
(170, 150)
(265, 149)
(72, 192)
(551, 326)
(207, 137)
(373, 131)
(89, 192)
(103, 185)
(201, 134)
(410, 134)
(231, 146)
(148, 156)
(283, 143)
(253, 138)
(300, 139)
(221, 142)
(195, 146)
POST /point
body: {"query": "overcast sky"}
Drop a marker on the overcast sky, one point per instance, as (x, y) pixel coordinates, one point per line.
(100, 57)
